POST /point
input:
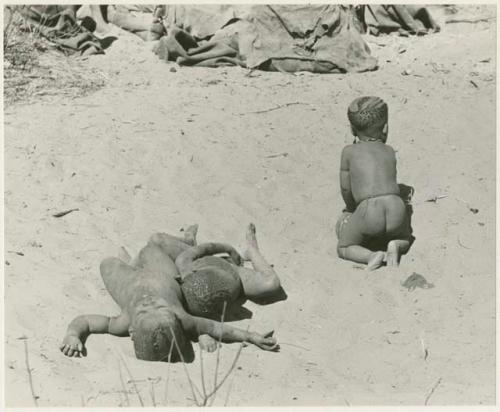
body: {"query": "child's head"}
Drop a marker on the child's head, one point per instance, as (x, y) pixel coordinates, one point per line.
(368, 116)
(210, 287)
(153, 334)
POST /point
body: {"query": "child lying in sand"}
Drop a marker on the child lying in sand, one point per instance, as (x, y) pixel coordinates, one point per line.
(151, 300)
(210, 282)
(374, 208)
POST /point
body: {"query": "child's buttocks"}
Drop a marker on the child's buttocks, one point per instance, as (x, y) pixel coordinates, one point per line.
(383, 213)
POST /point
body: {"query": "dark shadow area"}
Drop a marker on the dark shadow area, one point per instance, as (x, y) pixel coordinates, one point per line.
(107, 41)
(406, 193)
(237, 311)
(276, 297)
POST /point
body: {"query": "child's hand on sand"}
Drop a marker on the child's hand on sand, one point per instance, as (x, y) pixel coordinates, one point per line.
(73, 346)
(265, 342)
(207, 343)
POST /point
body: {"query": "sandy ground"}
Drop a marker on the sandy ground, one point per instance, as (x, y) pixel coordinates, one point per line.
(157, 149)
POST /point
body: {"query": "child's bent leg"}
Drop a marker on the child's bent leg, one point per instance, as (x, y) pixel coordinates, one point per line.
(173, 246)
(396, 248)
(152, 257)
(360, 254)
(262, 282)
(350, 239)
(398, 230)
(116, 276)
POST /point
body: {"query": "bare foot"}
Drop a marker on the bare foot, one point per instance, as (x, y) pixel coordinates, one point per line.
(376, 260)
(251, 242)
(190, 234)
(392, 253)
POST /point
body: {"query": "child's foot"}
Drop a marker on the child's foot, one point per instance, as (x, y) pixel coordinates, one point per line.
(392, 253)
(251, 242)
(376, 260)
(190, 235)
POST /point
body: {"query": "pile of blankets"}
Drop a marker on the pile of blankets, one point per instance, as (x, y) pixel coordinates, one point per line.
(320, 38)
(289, 38)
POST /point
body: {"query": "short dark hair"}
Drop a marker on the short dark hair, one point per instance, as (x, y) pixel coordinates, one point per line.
(366, 112)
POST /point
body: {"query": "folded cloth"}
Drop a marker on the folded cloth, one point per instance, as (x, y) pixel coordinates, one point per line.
(316, 38)
(409, 19)
(58, 24)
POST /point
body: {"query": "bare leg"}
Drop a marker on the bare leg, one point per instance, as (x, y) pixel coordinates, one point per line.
(171, 245)
(396, 248)
(116, 276)
(263, 280)
(152, 257)
(360, 254)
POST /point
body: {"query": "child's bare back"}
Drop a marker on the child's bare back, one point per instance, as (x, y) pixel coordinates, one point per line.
(369, 187)
(372, 169)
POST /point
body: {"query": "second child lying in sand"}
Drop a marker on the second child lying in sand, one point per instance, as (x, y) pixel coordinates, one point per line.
(151, 300)
(375, 210)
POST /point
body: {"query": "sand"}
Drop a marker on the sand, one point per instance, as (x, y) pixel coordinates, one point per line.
(157, 149)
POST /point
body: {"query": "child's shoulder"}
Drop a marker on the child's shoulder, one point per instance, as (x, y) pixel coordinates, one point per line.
(347, 150)
(389, 149)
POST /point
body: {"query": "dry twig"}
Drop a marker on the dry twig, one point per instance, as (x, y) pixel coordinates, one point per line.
(219, 344)
(478, 20)
(124, 388)
(30, 377)
(461, 244)
(191, 384)
(432, 391)
(284, 154)
(279, 106)
(133, 381)
(168, 371)
(64, 213)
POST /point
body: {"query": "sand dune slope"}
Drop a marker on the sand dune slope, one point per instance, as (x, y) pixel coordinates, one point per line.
(155, 150)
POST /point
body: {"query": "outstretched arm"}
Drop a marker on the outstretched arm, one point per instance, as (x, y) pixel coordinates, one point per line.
(82, 326)
(221, 331)
(186, 258)
(345, 181)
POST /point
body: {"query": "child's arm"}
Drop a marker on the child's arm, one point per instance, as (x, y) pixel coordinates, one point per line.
(186, 258)
(345, 180)
(82, 326)
(226, 333)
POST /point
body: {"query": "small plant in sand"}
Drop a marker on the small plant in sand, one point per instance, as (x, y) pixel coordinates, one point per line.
(204, 396)
(33, 66)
